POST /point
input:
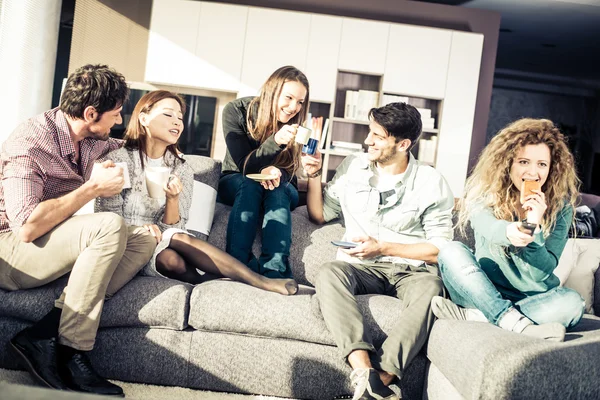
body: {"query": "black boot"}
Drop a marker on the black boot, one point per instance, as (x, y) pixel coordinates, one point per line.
(79, 375)
(40, 357)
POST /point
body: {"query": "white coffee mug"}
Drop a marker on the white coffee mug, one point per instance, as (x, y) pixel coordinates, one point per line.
(302, 135)
(156, 178)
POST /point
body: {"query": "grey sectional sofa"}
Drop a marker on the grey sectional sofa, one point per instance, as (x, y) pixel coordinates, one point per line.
(226, 336)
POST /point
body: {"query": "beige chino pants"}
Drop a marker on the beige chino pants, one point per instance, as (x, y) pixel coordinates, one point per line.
(100, 251)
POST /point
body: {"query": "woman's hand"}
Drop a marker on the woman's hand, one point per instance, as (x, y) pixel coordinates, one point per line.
(154, 231)
(286, 134)
(173, 187)
(516, 237)
(535, 206)
(311, 164)
(273, 183)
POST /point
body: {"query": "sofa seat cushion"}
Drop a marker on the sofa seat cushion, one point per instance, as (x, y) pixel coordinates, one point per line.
(483, 361)
(143, 302)
(234, 307)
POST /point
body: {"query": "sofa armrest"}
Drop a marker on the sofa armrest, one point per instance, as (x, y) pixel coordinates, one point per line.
(597, 292)
(483, 361)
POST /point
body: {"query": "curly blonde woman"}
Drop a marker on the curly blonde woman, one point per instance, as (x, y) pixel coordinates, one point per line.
(509, 281)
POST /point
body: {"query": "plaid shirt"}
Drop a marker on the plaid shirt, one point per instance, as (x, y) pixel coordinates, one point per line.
(37, 163)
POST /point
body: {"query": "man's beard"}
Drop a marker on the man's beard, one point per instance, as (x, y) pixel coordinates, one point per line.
(386, 155)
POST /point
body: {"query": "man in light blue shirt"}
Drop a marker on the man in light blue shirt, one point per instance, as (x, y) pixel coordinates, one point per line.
(399, 213)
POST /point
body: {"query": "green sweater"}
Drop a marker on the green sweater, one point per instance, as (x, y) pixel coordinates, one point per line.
(518, 272)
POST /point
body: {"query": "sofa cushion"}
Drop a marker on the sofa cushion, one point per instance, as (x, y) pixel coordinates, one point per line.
(582, 276)
(311, 243)
(143, 302)
(483, 361)
(206, 182)
(228, 306)
(568, 260)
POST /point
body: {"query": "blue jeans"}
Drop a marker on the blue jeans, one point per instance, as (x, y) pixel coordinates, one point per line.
(470, 287)
(248, 198)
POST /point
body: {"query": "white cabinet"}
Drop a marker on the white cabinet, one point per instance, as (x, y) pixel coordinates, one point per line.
(220, 46)
(322, 56)
(196, 44)
(459, 109)
(417, 61)
(363, 46)
(172, 41)
(274, 38)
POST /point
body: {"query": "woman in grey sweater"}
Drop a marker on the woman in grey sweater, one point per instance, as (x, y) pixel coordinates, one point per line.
(151, 141)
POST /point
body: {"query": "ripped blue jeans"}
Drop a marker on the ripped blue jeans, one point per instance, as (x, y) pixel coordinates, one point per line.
(470, 287)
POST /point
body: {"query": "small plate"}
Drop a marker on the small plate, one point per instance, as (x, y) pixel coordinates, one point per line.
(261, 177)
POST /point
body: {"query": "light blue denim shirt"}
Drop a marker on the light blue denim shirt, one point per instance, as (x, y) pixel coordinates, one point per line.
(420, 211)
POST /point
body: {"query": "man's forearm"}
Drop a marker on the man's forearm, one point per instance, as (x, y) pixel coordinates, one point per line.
(47, 214)
(314, 200)
(415, 251)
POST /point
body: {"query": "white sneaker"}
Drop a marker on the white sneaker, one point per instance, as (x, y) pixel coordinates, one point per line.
(368, 386)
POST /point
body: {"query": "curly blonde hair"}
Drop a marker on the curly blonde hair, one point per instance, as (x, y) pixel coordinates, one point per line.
(490, 184)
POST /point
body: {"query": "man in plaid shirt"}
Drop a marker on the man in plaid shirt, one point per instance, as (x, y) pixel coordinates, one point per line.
(45, 177)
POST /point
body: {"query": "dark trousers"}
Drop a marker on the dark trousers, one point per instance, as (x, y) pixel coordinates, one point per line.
(338, 283)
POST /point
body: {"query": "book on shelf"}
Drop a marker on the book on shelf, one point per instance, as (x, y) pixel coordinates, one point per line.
(350, 104)
(392, 98)
(367, 99)
(324, 133)
(346, 145)
(427, 149)
(345, 150)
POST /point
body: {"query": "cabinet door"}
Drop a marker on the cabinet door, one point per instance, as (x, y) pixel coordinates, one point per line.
(220, 46)
(417, 61)
(172, 41)
(363, 45)
(322, 56)
(274, 38)
(459, 109)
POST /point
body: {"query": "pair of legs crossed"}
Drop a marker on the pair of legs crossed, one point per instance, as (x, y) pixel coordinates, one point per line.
(470, 287)
(249, 200)
(186, 254)
(101, 253)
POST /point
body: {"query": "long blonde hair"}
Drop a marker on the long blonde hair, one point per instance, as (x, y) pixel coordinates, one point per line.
(490, 184)
(263, 122)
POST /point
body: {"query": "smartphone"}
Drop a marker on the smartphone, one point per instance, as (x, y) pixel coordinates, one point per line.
(344, 245)
(527, 227)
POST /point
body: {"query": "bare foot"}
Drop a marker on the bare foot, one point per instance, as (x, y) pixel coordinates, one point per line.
(281, 286)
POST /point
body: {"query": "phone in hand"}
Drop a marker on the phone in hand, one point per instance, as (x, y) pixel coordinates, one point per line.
(527, 227)
(344, 245)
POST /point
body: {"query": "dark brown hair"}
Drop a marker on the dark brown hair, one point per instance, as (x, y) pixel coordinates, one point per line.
(136, 135)
(93, 85)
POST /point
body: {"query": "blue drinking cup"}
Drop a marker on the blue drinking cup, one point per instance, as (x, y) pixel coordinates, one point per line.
(310, 148)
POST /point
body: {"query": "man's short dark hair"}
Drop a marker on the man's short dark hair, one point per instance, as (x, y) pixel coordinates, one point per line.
(93, 85)
(400, 120)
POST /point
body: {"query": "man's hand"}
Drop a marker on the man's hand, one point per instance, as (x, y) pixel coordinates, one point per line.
(311, 164)
(368, 247)
(154, 231)
(107, 179)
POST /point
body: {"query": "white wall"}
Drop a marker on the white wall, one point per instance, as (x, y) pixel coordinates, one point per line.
(28, 43)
